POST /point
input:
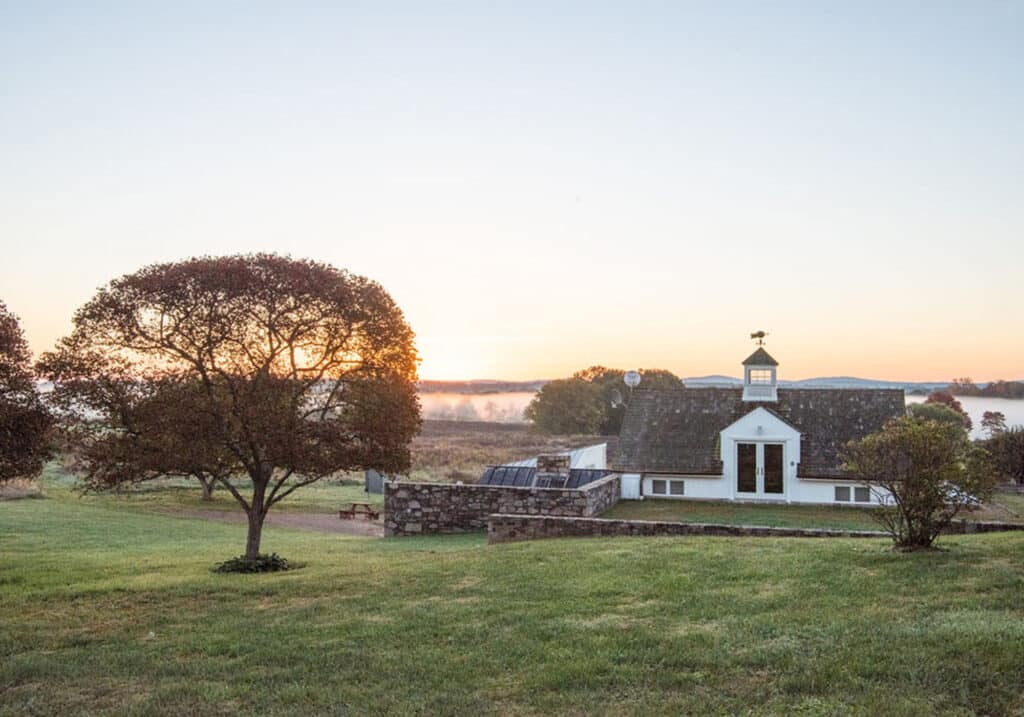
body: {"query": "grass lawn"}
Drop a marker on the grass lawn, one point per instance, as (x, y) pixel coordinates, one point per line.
(1003, 507)
(780, 515)
(110, 611)
(1011, 502)
(177, 494)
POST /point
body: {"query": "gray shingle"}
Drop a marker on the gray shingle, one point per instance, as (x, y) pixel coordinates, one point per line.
(760, 358)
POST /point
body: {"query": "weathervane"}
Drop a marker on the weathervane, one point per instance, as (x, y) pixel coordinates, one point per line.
(759, 336)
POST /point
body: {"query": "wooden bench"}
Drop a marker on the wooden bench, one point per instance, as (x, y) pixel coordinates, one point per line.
(357, 509)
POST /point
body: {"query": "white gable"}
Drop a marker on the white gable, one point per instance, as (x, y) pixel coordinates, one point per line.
(760, 425)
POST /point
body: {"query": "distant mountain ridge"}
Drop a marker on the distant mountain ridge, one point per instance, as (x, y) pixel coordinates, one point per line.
(826, 382)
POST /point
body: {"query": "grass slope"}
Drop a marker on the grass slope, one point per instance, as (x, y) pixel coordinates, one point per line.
(452, 626)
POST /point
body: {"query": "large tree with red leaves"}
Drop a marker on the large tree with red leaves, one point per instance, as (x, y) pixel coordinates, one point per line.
(24, 421)
(279, 370)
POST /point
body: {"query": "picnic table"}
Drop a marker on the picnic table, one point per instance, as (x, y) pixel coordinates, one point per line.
(357, 509)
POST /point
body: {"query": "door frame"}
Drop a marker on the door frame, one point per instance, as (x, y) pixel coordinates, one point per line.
(759, 474)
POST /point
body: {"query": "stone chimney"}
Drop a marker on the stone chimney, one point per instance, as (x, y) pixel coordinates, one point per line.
(552, 471)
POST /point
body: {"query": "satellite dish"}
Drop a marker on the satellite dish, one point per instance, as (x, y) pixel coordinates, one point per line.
(632, 379)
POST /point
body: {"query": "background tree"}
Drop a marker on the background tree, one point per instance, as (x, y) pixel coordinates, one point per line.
(938, 412)
(615, 395)
(928, 471)
(292, 371)
(1004, 389)
(24, 421)
(945, 398)
(1007, 449)
(606, 388)
(567, 406)
(964, 387)
(140, 431)
(993, 422)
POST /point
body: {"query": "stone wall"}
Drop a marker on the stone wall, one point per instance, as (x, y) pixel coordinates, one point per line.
(426, 508)
(513, 528)
(602, 494)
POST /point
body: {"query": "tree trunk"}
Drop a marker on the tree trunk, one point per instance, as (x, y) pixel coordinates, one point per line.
(207, 485)
(252, 541)
(257, 512)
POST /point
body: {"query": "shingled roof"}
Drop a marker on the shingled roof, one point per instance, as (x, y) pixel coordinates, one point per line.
(678, 431)
(760, 358)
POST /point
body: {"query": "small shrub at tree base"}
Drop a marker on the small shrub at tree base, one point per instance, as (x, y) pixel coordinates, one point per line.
(262, 563)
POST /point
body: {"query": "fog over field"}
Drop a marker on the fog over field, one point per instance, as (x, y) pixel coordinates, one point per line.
(495, 407)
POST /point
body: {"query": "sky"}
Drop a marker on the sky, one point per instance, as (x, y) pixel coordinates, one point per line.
(544, 186)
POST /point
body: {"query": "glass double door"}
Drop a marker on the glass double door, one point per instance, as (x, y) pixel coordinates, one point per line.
(759, 469)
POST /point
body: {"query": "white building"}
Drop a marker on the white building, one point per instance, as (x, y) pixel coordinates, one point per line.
(754, 443)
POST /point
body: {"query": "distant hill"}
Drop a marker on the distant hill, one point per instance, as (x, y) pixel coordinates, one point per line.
(483, 387)
(923, 387)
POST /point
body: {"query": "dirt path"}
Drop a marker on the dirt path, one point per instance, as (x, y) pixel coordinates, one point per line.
(322, 522)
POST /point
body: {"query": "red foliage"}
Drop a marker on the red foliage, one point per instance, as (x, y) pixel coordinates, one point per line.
(24, 421)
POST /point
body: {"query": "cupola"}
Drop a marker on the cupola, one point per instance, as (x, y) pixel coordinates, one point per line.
(760, 382)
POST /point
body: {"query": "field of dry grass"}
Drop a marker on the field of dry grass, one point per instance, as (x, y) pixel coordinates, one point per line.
(461, 450)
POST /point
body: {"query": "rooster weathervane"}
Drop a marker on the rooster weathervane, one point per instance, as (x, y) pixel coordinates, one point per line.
(759, 336)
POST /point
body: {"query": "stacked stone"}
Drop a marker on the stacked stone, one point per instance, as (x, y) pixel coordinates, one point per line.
(426, 508)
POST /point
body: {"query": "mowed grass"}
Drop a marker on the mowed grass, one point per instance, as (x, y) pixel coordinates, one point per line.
(1003, 507)
(179, 495)
(110, 611)
(773, 514)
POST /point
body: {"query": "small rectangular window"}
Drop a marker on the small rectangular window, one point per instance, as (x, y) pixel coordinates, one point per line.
(761, 376)
(658, 487)
(676, 487)
(843, 493)
(861, 494)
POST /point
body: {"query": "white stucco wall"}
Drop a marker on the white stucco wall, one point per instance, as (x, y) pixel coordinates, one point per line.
(700, 487)
(820, 491)
(629, 486)
(595, 456)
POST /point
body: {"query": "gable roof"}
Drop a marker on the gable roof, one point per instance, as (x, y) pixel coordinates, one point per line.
(760, 358)
(678, 431)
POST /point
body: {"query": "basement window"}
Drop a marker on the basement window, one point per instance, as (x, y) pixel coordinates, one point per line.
(856, 494)
(661, 486)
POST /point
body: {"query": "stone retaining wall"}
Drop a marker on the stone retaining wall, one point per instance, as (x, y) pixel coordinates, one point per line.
(513, 528)
(426, 508)
(961, 527)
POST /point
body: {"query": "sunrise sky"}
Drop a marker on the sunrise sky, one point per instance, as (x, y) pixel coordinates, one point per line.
(545, 186)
